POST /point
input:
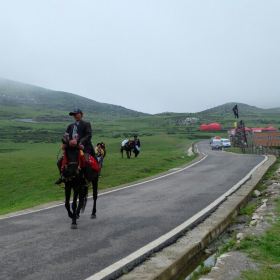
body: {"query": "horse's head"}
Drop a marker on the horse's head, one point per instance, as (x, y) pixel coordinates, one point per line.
(72, 169)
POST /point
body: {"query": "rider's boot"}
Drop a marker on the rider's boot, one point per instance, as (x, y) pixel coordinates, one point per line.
(59, 181)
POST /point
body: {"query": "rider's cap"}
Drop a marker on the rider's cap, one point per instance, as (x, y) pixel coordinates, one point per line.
(75, 111)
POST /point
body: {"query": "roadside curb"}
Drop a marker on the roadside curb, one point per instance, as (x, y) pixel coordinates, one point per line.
(173, 261)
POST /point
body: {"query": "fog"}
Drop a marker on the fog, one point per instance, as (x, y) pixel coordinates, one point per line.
(151, 56)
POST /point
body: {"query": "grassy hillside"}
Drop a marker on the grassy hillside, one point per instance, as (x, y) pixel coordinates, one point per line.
(253, 116)
(226, 110)
(28, 101)
(18, 100)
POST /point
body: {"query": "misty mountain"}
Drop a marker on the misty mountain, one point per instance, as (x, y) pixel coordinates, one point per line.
(24, 97)
(19, 100)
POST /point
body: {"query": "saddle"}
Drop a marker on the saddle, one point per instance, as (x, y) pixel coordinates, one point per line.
(79, 164)
(71, 167)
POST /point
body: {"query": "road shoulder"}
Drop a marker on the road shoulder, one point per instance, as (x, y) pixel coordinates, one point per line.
(171, 262)
(254, 237)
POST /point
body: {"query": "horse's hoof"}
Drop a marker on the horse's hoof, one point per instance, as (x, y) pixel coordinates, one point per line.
(93, 216)
(74, 226)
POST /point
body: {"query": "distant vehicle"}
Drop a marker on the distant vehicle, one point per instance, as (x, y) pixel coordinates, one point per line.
(214, 138)
(216, 144)
(226, 143)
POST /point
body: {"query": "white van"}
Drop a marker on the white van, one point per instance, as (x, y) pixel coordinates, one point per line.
(226, 143)
(217, 144)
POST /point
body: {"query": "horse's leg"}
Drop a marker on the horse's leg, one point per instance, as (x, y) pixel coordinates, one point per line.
(122, 152)
(74, 208)
(95, 195)
(85, 198)
(67, 199)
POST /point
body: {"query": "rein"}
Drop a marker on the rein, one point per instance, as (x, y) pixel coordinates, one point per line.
(73, 162)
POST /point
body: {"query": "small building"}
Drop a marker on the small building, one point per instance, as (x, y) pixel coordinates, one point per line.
(187, 121)
(254, 130)
(263, 129)
(266, 138)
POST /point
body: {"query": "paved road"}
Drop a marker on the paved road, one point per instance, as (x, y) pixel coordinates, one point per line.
(42, 246)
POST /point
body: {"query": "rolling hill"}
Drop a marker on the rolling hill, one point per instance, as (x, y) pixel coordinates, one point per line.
(245, 110)
(19, 100)
(253, 116)
(23, 100)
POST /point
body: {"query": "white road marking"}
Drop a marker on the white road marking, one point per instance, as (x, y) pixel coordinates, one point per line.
(109, 191)
(152, 246)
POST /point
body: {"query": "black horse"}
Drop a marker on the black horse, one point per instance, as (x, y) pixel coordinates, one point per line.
(74, 179)
(128, 148)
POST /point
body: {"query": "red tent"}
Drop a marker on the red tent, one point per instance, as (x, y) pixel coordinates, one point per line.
(211, 127)
(204, 127)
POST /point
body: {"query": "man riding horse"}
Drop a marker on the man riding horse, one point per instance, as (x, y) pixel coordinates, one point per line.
(78, 137)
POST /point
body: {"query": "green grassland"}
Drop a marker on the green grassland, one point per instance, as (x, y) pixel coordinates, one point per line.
(28, 149)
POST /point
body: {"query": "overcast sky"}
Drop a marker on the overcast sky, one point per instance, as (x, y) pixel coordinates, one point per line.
(148, 55)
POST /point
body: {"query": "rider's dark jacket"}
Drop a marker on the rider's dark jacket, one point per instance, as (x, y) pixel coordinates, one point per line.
(137, 143)
(85, 134)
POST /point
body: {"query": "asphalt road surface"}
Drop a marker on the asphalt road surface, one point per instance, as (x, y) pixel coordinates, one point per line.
(42, 246)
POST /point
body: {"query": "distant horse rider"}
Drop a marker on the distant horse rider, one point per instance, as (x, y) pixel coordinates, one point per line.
(236, 111)
(137, 146)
